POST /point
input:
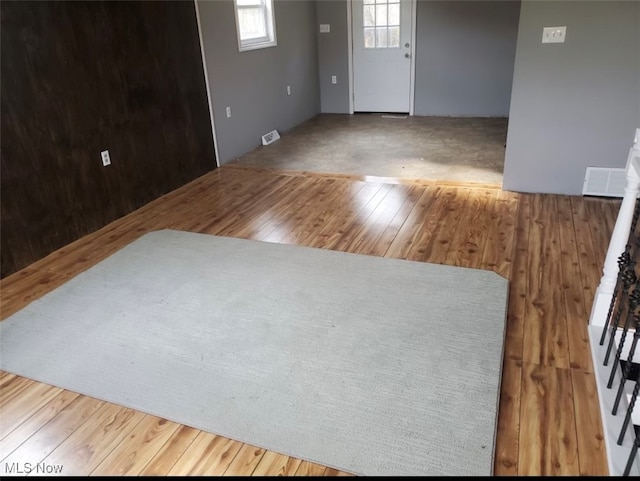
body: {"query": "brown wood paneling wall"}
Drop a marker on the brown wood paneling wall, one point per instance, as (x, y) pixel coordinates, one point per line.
(82, 77)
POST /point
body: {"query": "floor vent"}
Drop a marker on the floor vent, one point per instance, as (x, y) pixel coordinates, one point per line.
(270, 137)
(604, 182)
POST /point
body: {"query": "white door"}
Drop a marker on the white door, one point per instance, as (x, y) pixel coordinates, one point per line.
(381, 55)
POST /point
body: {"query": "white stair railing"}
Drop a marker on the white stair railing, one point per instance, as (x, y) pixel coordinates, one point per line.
(619, 237)
(619, 433)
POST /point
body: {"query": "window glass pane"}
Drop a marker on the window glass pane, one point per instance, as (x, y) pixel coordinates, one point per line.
(252, 23)
(367, 2)
(394, 37)
(381, 15)
(242, 3)
(369, 16)
(369, 38)
(381, 1)
(381, 37)
(394, 14)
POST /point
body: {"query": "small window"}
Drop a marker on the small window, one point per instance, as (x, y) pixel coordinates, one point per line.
(381, 23)
(256, 24)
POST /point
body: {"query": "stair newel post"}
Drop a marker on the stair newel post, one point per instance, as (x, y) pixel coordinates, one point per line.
(619, 238)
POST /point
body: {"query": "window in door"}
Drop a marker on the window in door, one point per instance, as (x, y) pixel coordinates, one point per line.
(381, 23)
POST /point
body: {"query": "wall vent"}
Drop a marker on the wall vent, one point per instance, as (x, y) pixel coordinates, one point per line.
(270, 137)
(604, 182)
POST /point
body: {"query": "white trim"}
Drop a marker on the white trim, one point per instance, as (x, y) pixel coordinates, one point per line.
(206, 82)
(412, 88)
(412, 73)
(350, 54)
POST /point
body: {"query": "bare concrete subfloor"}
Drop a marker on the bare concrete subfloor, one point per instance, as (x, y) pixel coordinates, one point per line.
(457, 149)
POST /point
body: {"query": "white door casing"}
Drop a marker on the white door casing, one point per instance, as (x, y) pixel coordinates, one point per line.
(382, 53)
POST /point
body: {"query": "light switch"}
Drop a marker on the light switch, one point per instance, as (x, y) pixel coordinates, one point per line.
(553, 34)
(325, 28)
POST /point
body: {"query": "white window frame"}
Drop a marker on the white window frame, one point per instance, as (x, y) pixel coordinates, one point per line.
(270, 27)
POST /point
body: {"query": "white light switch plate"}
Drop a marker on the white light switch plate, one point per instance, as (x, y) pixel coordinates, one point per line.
(325, 28)
(554, 34)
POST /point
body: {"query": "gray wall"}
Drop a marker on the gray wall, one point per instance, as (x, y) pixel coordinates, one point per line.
(465, 52)
(333, 56)
(253, 83)
(574, 104)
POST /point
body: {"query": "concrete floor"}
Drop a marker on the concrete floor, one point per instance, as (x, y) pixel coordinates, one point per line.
(458, 149)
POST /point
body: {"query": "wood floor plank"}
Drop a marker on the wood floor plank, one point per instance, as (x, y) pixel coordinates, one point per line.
(591, 259)
(415, 248)
(90, 444)
(545, 332)
(274, 464)
(470, 238)
(413, 227)
(318, 213)
(577, 318)
(308, 468)
(280, 189)
(245, 462)
(133, 453)
(207, 455)
(31, 399)
(375, 238)
(393, 230)
(507, 440)
(33, 423)
(303, 222)
(366, 231)
(518, 288)
(13, 388)
(360, 206)
(352, 226)
(437, 247)
(498, 252)
(598, 228)
(222, 215)
(589, 423)
(169, 454)
(335, 472)
(41, 443)
(548, 443)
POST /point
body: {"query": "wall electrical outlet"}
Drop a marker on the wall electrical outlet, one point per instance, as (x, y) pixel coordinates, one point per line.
(228, 112)
(288, 89)
(106, 160)
(334, 79)
(325, 28)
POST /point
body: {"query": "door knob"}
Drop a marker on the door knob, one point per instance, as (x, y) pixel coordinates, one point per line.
(406, 55)
(406, 45)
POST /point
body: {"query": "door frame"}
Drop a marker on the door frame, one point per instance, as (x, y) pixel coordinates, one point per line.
(412, 86)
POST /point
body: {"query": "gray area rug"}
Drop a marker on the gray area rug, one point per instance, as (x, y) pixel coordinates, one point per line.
(370, 365)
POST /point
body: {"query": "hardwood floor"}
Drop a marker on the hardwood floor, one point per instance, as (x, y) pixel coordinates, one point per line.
(551, 247)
